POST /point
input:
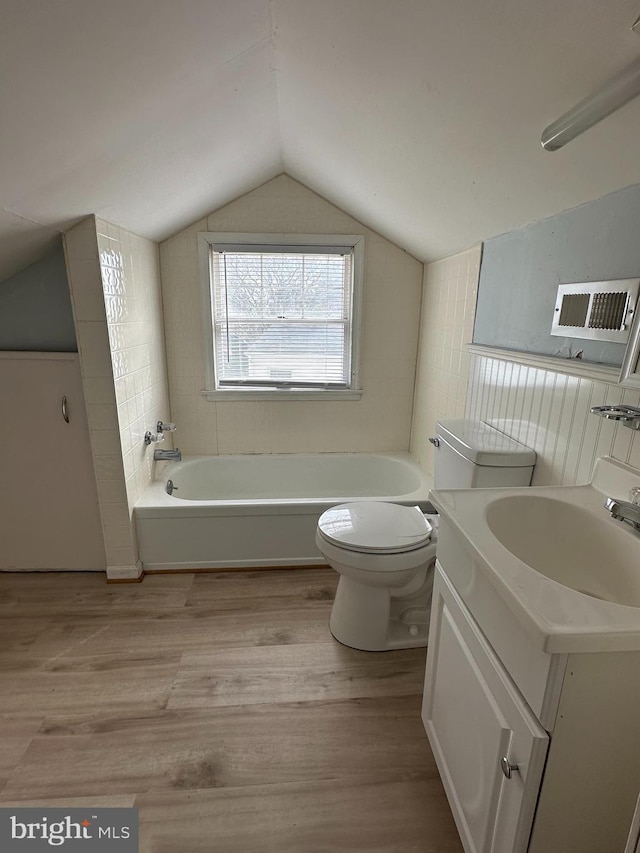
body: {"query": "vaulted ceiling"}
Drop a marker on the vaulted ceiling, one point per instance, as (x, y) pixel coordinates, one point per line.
(421, 118)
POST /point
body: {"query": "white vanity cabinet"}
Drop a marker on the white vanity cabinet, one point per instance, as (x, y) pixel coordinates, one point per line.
(537, 752)
(489, 747)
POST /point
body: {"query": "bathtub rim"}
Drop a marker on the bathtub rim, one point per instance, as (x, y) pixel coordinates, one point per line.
(155, 502)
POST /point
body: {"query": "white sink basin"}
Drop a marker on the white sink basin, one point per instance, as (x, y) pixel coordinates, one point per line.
(570, 545)
(567, 571)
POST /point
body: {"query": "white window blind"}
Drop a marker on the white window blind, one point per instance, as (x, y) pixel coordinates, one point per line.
(282, 316)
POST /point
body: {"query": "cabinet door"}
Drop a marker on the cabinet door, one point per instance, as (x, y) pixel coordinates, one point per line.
(475, 718)
(49, 516)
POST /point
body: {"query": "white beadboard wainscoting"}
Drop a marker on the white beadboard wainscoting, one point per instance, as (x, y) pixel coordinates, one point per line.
(546, 406)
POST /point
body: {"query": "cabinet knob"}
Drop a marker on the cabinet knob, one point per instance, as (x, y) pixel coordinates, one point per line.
(507, 768)
(435, 441)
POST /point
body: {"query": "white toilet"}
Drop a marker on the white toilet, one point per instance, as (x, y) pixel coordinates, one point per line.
(385, 552)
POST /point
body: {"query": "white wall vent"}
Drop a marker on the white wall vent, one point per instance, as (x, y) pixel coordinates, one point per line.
(597, 310)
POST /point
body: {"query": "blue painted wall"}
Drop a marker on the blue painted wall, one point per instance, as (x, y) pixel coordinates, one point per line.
(35, 308)
(521, 271)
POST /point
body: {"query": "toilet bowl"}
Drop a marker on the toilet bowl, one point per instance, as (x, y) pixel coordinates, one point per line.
(385, 553)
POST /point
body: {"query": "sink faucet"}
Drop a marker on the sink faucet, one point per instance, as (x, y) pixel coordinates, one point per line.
(628, 511)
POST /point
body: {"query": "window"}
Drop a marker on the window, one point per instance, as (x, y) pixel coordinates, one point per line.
(282, 315)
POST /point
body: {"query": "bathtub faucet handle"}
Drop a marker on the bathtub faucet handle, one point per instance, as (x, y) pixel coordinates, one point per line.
(149, 437)
(162, 427)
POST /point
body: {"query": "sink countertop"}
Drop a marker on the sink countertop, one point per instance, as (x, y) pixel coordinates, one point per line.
(558, 618)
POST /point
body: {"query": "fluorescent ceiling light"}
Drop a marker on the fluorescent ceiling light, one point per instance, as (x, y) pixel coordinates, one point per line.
(613, 95)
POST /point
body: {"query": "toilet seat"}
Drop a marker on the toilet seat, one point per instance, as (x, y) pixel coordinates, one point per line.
(375, 527)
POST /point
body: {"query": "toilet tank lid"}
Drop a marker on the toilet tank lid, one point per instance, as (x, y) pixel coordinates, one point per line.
(484, 445)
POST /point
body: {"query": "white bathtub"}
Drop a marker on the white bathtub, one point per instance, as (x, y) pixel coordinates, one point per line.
(261, 510)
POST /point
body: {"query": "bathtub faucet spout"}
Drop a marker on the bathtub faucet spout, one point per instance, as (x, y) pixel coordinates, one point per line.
(160, 455)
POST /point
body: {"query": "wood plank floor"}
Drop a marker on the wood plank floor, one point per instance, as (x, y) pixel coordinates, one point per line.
(220, 706)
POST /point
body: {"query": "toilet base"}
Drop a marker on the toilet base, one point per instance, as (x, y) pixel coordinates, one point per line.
(371, 619)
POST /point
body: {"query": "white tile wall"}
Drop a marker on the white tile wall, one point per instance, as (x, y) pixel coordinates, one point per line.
(134, 321)
(115, 289)
(381, 420)
(548, 410)
(450, 288)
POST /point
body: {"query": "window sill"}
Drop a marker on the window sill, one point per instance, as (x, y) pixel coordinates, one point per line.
(271, 396)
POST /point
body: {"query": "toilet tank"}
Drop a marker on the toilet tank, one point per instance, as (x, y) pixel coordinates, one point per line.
(473, 455)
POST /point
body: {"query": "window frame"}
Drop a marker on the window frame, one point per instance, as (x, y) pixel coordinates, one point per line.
(207, 242)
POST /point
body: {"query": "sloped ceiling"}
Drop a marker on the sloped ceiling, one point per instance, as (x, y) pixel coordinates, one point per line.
(421, 118)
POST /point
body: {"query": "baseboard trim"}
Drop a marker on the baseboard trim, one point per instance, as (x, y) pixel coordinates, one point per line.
(209, 570)
(125, 574)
